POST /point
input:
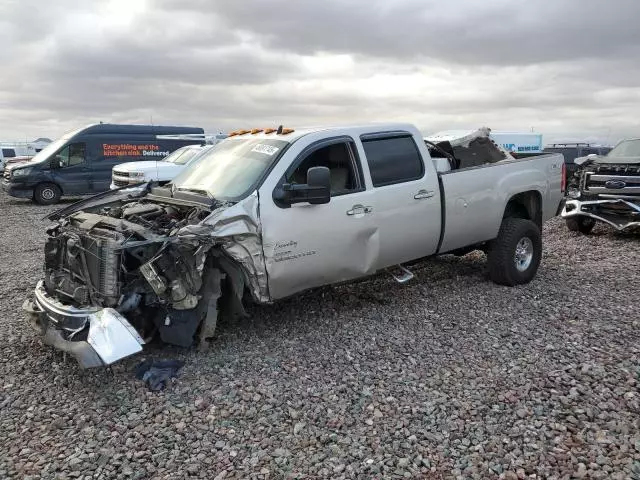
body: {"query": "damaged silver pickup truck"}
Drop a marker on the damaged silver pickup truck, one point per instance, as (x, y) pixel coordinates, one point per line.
(605, 189)
(269, 213)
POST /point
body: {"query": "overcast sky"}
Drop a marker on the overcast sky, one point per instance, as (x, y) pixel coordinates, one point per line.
(566, 68)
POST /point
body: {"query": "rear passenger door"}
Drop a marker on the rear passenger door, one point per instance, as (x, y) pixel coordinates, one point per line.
(406, 197)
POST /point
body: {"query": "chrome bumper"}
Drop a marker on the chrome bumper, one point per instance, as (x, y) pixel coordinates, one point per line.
(628, 217)
(110, 337)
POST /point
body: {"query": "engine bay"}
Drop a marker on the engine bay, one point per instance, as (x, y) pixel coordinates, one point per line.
(128, 256)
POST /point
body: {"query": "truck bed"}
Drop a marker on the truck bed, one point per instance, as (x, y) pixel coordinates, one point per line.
(472, 196)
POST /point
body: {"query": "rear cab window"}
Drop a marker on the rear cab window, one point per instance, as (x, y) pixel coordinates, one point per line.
(392, 158)
(8, 153)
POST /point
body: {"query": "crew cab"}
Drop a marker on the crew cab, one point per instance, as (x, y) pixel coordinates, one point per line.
(606, 189)
(270, 213)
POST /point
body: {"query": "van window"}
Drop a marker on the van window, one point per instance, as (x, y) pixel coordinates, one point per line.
(8, 153)
(72, 154)
(393, 160)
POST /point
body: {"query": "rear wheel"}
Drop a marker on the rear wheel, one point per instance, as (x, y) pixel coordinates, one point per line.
(581, 224)
(514, 256)
(47, 194)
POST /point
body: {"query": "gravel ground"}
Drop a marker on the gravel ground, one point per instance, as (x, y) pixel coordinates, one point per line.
(449, 376)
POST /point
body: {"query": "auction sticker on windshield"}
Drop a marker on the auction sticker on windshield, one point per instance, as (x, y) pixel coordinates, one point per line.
(266, 149)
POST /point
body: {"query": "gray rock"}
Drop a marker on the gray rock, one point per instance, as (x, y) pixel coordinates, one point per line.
(446, 362)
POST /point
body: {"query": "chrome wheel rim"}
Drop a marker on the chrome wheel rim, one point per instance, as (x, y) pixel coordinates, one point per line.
(524, 254)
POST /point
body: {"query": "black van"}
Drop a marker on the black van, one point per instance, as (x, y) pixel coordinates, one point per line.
(80, 162)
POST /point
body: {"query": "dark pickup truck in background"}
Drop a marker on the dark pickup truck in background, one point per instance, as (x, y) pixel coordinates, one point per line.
(572, 151)
(605, 188)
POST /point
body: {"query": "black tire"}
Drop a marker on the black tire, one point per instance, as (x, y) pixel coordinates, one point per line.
(583, 225)
(508, 264)
(47, 194)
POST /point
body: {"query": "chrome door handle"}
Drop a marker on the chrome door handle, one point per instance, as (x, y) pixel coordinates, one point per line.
(359, 210)
(424, 194)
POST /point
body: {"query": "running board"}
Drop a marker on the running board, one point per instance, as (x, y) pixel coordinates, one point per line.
(403, 276)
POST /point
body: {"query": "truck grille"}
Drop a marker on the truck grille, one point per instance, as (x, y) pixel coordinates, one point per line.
(613, 180)
(120, 178)
(71, 275)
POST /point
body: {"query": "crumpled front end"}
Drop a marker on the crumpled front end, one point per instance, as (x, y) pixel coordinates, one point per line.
(120, 273)
(621, 214)
(605, 192)
(95, 337)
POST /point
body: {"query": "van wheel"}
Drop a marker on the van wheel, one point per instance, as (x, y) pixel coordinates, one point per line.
(581, 224)
(515, 255)
(47, 194)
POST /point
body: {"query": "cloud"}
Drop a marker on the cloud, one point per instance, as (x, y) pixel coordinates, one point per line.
(497, 32)
(565, 67)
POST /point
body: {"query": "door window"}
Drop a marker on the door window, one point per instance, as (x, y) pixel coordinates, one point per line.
(393, 160)
(341, 161)
(72, 154)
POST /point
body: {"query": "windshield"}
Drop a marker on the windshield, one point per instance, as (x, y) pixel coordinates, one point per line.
(53, 147)
(626, 148)
(182, 156)
(231, 169)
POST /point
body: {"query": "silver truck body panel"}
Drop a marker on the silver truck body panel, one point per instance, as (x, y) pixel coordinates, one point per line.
(476, 198)
(337, 247)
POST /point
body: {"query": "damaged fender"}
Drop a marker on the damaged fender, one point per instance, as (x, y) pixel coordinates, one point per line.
(237, 230)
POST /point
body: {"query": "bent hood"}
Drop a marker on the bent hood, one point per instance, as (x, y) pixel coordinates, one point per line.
(123, 193)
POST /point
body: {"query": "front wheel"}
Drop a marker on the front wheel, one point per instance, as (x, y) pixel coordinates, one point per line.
(47, 194)
(515, 255)
(583, 225)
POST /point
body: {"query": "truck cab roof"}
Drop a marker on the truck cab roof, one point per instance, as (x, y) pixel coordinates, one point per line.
(297, 133)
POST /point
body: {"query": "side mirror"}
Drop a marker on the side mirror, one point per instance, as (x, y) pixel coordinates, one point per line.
(54, 163)
(316, 191)
(319, 185)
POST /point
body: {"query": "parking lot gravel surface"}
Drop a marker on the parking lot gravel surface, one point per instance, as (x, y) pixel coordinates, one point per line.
(448, 376)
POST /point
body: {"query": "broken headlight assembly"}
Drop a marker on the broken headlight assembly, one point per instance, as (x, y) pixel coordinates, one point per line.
(573, 192)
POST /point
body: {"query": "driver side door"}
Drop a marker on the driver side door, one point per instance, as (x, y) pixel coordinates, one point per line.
(72, 173)
(307, 245)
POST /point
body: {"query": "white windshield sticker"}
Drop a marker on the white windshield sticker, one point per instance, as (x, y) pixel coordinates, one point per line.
(266, 149)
